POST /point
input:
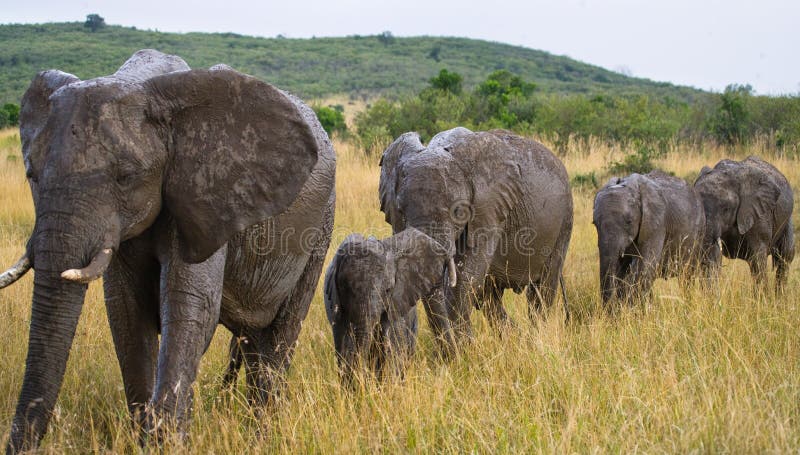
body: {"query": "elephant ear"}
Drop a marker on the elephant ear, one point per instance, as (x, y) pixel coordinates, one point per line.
(35, 108)
(331, 293)
(403, 147)
(240, 152)
(495, 181)
(418, 265)
(653, 208)
(758, 196)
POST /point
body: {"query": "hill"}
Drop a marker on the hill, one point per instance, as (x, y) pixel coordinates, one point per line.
(312, 68)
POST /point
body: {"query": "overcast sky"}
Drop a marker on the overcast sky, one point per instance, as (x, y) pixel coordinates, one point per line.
(703, 43)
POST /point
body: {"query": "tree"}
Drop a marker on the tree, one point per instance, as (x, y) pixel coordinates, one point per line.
(447, 81)
(94, 22)
(730, 122)
(434, 53)
(386, 38)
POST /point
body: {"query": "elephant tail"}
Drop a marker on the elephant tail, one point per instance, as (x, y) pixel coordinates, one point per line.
(564, 296)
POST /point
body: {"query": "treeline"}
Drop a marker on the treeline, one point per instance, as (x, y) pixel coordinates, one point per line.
(505, 100)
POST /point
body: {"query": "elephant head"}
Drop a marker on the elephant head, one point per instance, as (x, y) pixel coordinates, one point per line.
(212, 151)
(735, 196)
(458, 190)
(623, 216)
(371, 290)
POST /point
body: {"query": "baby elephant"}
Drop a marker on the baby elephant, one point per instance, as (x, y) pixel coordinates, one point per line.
(648, 226)
(371, 290)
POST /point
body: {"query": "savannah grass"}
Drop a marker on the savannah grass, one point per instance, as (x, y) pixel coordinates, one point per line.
(690, 372)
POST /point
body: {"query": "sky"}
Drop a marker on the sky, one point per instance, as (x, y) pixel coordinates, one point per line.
(706, 44)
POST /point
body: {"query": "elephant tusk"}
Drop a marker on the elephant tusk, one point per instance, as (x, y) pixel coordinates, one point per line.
(91, 272)
(15, 272)
(451, 268)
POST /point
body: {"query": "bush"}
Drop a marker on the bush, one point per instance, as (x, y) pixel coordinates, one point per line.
(447, 81)
(640, 162)
(12, 113)
(331, 118)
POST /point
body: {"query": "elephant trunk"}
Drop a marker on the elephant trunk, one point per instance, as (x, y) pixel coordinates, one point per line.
(60, 242)
(609, 270)
(56, 309)
(355, 353)
(610, 274)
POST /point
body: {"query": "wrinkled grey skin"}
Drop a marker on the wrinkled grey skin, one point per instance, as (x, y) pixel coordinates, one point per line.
(748, 206)
(188, 177)
(371, 291)
(648, 226)
(501, 206)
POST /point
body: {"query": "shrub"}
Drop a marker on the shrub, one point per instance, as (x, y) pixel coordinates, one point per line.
(641, 161)
(331, 118)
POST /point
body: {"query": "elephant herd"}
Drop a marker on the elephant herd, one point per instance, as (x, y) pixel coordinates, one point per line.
(206, 197)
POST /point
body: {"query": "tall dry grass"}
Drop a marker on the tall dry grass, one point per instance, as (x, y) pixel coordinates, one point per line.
(688, 373)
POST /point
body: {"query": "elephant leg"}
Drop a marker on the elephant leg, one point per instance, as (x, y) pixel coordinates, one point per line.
(267, 356)
(781, 274)
(439, 320)
(758, 270)
(131, 295)
(782, 256)
(235, 361)
(644, 270)
(542, 293)
(493, 306)
(191, 295)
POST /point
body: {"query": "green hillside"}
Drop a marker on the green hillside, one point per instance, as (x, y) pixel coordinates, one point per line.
(358, 65)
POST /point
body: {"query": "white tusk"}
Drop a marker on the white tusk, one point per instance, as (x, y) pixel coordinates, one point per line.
(91, 272)
(15, 272)
(451, 268)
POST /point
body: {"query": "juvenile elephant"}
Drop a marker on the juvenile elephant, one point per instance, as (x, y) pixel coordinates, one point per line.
(498, 203)
(648, 226)
(201, 196)
(748, 206)
(371, 291)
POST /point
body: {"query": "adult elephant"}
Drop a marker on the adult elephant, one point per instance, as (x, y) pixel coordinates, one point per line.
(201, 196)
(498, 203)
(648, 226)
(748, 206)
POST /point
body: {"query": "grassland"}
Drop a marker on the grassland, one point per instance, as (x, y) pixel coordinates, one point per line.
(359, 66)
(689, 373)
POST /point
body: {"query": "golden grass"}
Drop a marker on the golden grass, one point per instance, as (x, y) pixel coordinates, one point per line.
(688, 373)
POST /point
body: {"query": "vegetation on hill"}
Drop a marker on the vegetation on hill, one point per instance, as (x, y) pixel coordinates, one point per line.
(312, 68)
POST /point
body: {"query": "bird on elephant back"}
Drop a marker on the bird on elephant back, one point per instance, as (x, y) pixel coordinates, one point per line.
(748, 206)
(173, 184)
(648, 226)
(499, 204)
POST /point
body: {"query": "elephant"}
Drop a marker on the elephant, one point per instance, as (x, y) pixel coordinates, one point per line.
(498, 203)
(202, 197)
(648, 226)
(748, 206)
(371, 290)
